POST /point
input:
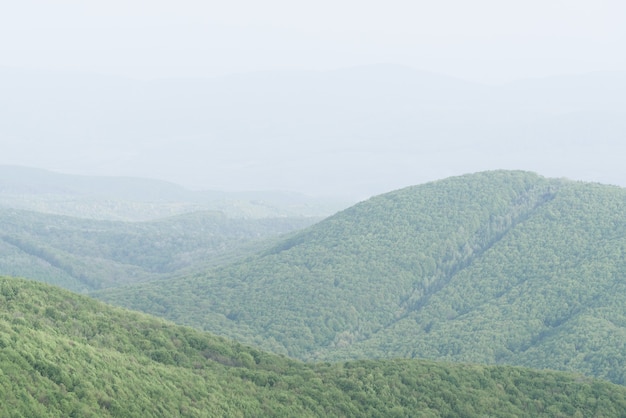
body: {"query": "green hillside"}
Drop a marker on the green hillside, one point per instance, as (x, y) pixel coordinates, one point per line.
(62, 354)
(497, 267)
(84, 255)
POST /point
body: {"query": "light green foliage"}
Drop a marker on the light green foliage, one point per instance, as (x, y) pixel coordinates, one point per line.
(84, 255)
(494, 267)
(62, 354)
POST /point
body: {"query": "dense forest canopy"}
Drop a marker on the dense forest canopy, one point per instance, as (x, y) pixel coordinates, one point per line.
(503, 267)
(63, 354)
(85, 255)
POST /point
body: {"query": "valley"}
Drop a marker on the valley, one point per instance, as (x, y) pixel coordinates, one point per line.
(486, 283)
(312, 209)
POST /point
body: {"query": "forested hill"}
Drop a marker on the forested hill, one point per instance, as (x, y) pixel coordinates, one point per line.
(494, 267)
(84, 255)
(62, 354)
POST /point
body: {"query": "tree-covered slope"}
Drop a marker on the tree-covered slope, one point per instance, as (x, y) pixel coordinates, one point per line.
(84, 255)
(62, 354)
(493, 267)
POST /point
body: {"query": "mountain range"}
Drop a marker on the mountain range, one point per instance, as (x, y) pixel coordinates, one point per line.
(351, 133)
(140, 199)
(502, 267)
(456, 297)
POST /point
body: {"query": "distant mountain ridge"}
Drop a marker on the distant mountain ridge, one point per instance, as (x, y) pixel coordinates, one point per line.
(493, 267)
(352, 132)
(129, 198)
(26, 180)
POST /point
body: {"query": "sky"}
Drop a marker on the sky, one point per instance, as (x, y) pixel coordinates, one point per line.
(482, 40)
(98, 131)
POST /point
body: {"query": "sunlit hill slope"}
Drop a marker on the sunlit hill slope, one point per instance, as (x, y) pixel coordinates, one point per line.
(62, 354)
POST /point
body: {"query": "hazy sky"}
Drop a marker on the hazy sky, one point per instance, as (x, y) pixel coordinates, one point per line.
(486, 40)
(355, 131)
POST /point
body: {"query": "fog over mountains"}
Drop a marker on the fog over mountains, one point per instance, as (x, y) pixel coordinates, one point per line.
(353, 132)
(138, 199)
(381, 209)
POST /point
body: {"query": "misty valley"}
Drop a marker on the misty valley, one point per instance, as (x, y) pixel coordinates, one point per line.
(497, 293)
(347, 208)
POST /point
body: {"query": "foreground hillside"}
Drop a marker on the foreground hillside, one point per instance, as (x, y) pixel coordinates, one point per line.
(84, 255)
(62, 354)
(496, 267)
